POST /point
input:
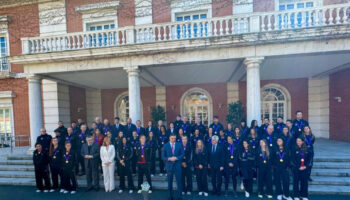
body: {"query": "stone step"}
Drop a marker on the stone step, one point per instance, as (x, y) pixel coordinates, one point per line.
(331, 165)
(16, 168)
(331, 172)
(157, 185)
(16, 162)
(332, 158)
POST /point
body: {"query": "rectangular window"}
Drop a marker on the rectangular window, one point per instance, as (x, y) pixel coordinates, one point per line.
(4, 65)
(5, 121)
(202, 28)
(100, 39)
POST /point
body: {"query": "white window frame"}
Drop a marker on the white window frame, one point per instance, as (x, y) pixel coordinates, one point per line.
(177, 9)
(7, 47)
(101, 23)
(116, 105)
(316, 3)
(6, 102)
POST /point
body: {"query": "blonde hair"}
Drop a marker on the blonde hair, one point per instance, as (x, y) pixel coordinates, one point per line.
(202, 146)
(266, 148)
(105, 141)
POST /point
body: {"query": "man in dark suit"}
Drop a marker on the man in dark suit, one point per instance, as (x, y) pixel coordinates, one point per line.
(172, 154)
(139, 129)
(91, 153)
(116, 128)
(129, 128)
(216, 164)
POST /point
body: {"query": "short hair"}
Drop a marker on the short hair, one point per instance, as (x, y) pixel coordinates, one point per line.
(216, 117)
(289, 120)
(172, 135)
(178, 115)
(89, 136)
(215, 137)
(298, 111)
(280, 117)
(117, 118)
(37, 144)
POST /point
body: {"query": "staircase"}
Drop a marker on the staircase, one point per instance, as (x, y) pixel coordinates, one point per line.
(331, 175)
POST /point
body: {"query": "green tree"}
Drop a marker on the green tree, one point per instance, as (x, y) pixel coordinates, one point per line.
(234, 113)
(158, 113)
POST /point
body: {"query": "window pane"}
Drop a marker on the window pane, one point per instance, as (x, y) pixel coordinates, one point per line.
(2, 121)
(112, 26)
(300, 5)
(106, 27)
(309, 4)
(290, 6)
(99, 28)
(179, 19)
(92, 28)
(282, 7)
(187, 18)
(8, 120)
(203, 16)
(195, 16)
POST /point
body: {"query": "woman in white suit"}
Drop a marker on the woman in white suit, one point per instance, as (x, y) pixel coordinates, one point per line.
(107, 153)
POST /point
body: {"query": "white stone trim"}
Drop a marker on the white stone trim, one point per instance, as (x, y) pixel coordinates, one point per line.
(161, 96)
(143, 12)
(319, 106)
(242, 6)
(97, 7)
(197, 89)
(285, 92)
(93, 104)
(52, 18)
(232, 92)
(189, 6)
(6, 102)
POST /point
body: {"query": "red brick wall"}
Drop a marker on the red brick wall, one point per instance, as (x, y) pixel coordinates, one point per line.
(222, 8)
(74, 20)
(339, 112)
(77, 101)
(263, 5)
(161, 11)
(24, 23)
(218, 92)
(327, 2)
(297, 88)
(108, 97)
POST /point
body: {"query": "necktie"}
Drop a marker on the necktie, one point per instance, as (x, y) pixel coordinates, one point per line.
(214, 149)
(172, 148)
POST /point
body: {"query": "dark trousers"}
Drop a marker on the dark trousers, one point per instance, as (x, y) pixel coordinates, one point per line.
(125, 171)
(92, 173)
(201, 177)
(281, 177)
(216, 179)
(69, 181)
(161, 162)
(300, 183)
(231, 173)
(80, 163)
(153, 164)
(41, 175)
(248, 185)
(265, 180)
(186, 177)
(144, 169)
(171, 172)
(133, 164)
(55, 173)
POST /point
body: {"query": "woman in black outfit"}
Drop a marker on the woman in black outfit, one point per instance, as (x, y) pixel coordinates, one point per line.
(124, 156)
(162, 139)
(152, 143)
(143, 155)
(264, 162)
(55, 159)
(281, 163)
(309, 139)
(68, 163)
(41, 167)
(200, 161)
(246, 161)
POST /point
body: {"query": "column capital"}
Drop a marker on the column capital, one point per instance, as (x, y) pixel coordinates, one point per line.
(253, 61)
(133, 70)
(32, 78)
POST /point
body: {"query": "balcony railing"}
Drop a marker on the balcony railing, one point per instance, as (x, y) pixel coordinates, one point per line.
(203, 28)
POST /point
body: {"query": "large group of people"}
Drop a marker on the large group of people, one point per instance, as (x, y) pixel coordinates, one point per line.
(269, 154)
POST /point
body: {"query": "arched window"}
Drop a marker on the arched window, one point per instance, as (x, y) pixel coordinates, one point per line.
(275, 102)
(197, 102)
(121, 107)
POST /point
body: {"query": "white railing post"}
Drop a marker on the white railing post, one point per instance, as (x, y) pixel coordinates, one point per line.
(130, 35)
(26, 46)
(254, 23)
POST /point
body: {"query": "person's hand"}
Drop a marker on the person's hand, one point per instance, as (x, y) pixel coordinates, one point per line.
(91, 156)
(208, 166)
(200, 166)
(121, 161)
(302, 168)
(184, 164)
(230, 164)
(87, 156)
(221, 168)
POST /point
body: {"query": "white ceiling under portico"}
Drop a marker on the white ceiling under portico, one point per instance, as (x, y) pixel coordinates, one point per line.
(281, 67)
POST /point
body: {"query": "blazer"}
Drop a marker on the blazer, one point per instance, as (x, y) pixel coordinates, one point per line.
(94, 151)
(107, 155)
(116, 130)
(167, 153)
(128, 129)
(216, 159)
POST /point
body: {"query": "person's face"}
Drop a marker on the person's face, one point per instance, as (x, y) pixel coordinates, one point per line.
(74, 125)
(172, 139)
(120, 134)
(279, 120)
(221, 133)
(229, 126)
(184, 140)
(216, 120)
(69, 131)
(285, 130)
(245, 144)
(199, 144)
(196, 132)
(210, 131)
(80, 121)
(68, 146)
(149, 123)
(160, 123)
(289, 124)
(306, 130)
(129, 121)
(54, 141)
(109, 134)
(184, 119)
(178, 118)
(138, 123)
(229, 140)
(116, 121)
(60, 124)
(124, 141)
(162, 129)
(266, 121)
(98, 131)
(253, 133)
(83, 128)
(89, 140)
(171, 126)
(270, 129)
(255, 123)
(299, 115)
(97, 120)
(134, 134)
(38, 147)
(93, 125)
(198, 120)
(142, 139)
(214, 141)
(181, 131)
(279, 142)
(299, 142)
(262, 143)
(243, 124)
(237, 131)
(105, 122)
(42, 131)
(150, 134)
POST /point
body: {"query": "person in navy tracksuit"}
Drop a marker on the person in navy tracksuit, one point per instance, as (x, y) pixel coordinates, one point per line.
(231, 165)
(200, 162)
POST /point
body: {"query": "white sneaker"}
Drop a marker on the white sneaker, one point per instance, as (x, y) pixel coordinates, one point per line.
(242, 186)
(52, 190)
(131, 191)
(287, 198)
(304, 198)
(205, 194)
(296, 198)
(160, 174)
(62, 190)
(139, 191)
(188, 193)
(200, 193)
(247, 194)
(38, 191)
(149, 191)
(152, 175)
(183, 193)
(120, 191)
(279, 197)
(65, 192)
(73, 192)
(46, 191)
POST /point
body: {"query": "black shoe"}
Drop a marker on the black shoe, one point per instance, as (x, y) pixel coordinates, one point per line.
(89, 189)
(235, 194)
(96, 189)
(310, 179)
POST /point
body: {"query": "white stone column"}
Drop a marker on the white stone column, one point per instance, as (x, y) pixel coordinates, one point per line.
(134, 93)
(35, 108)
(253, 88)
